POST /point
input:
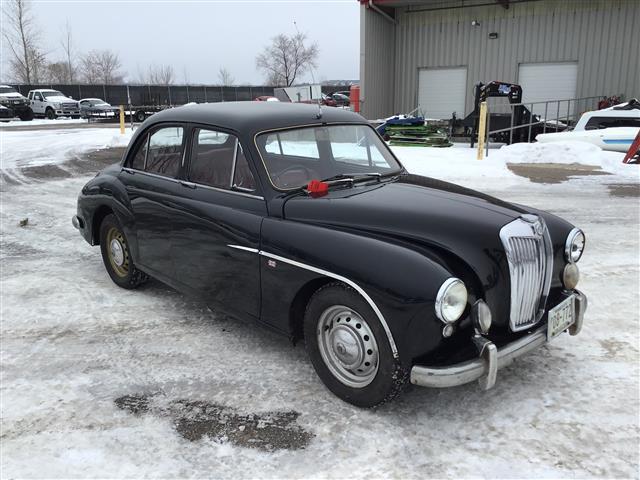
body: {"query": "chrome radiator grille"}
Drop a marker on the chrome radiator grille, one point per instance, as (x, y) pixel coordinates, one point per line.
(530, 254)
(69, 106)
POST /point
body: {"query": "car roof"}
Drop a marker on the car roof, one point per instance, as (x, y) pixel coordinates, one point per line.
(253, 117)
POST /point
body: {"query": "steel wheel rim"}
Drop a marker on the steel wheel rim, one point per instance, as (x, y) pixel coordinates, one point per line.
(117, 252)
(347, 346)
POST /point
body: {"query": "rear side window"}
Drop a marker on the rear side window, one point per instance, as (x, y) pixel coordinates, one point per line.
(164, 151)
(212, 158)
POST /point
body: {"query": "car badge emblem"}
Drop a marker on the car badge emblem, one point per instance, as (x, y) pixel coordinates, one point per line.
(271, 263)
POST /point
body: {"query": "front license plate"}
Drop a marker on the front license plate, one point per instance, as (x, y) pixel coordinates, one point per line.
(561, 317)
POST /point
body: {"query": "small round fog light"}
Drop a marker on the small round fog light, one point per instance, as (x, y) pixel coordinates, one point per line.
(447, 331)
(481, 317)
(570, 276)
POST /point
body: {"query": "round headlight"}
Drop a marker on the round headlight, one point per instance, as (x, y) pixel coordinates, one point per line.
(451, 300)
(574, 246)
(570, 276)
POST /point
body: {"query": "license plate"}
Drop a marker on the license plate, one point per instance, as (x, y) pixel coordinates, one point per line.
(561, 317)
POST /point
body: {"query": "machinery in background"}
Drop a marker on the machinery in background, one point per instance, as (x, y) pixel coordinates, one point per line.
(515, 115)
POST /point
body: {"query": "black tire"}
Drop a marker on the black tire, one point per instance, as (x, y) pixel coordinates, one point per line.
(27, 115)
(50, 113)
(124, 274)
(390, 377)
(140, 116)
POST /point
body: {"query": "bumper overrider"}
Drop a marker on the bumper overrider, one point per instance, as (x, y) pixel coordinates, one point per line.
(490, 359)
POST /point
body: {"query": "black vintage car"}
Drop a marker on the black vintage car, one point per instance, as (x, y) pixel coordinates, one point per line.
(301, 218)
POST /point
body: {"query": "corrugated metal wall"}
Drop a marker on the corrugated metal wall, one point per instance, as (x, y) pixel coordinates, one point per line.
(377, 63)
(601, 35)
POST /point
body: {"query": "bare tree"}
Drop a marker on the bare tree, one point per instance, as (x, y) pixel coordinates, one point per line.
(287, 59)
(160, 75)
(67, 46)
(21, 35)
(58, 72)
(101, 66)
(225, 77)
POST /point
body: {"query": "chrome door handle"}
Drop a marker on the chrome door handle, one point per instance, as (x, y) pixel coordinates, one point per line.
(184, 183)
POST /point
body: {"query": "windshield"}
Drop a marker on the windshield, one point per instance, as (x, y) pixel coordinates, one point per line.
(52, 93)
(7, 90)
(295, 157)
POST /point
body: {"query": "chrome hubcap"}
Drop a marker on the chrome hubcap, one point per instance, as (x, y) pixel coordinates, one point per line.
(347, 346)
(117, 252)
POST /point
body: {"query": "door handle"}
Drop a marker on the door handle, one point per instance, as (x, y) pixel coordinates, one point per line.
(184, 183)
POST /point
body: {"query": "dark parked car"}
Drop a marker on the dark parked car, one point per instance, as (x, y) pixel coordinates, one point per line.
(96, 107)
(304, 220)
(340, 99)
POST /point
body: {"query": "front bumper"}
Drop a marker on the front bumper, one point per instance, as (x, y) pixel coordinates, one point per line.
(490, 360)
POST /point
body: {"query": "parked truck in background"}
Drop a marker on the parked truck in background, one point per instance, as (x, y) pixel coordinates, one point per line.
(12, 100)
(52, 103)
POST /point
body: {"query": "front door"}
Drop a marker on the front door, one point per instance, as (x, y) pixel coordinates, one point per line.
(151, 177)
(215, 242)
(37, 103)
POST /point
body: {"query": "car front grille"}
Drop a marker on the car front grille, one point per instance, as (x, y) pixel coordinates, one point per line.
(70, 106)
(529, 252)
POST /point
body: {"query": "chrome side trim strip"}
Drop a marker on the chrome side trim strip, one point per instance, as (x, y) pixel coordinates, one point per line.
(240, 247)
(352, 284)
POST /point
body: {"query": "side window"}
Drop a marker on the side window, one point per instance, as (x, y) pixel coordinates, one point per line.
(242, 176)
(37, 96)
(164, 151)
(212, 158)
(141, 154)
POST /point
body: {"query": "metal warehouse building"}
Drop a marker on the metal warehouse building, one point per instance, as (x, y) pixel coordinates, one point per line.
(429, 54)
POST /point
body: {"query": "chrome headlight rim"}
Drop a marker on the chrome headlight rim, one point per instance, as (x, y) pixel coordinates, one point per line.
(444, 290)
(568, 246)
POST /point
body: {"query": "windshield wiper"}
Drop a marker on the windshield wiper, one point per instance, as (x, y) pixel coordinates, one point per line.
(352, 177)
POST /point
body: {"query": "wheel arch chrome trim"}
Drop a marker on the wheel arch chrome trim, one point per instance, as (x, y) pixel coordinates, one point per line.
(351, 283)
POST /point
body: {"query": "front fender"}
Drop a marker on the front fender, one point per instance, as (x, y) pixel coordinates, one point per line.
(400, 281)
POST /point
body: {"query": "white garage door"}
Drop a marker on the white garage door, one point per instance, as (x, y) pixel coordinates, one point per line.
(441, 91)
(547, 81)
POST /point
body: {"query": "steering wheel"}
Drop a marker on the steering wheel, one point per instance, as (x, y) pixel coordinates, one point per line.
(294, 176)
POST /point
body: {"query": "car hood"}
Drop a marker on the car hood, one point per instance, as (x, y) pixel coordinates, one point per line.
(12, 96)
(411, 206)
(453, 225)
(60, 99)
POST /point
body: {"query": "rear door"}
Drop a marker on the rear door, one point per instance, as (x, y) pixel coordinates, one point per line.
(151, 177)
(216, 240)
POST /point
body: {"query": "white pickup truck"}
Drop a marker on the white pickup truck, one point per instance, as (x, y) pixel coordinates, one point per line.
(52, 103)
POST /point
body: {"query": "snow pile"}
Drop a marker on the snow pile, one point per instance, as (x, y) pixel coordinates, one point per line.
(456, 162)
(569, 152)
(29, 148)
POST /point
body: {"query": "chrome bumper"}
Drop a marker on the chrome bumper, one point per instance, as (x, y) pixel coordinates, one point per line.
(490, 359)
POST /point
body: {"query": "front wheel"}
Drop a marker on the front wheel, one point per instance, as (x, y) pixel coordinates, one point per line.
(50, 114)
(116, 255)
(349, 348)
(27, 115)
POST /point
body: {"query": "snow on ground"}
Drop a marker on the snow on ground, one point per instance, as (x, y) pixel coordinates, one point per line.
(30, 148)
(42, 121)
(73, 345)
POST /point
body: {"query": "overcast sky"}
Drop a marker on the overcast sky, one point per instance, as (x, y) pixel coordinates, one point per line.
(199, 37)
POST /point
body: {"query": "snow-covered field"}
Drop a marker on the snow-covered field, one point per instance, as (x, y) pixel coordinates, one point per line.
(101, 382)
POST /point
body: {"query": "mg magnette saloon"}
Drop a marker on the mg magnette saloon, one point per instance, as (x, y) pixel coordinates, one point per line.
(302, 219)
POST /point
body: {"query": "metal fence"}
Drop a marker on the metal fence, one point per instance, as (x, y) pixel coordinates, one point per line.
(163, 95)
(552, 115)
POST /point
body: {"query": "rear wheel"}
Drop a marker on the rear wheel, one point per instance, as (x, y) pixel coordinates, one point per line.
(349, 348)
(116, 255)
(140, 116)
